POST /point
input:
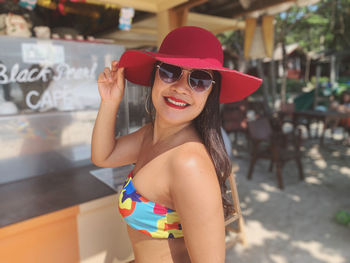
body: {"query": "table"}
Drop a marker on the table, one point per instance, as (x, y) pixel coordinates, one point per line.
(330, 119)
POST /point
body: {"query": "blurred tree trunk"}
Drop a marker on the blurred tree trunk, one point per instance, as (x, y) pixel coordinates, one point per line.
(273, 82)
(265, 85)
(307, 69)
(285, 73)
(234, 48)
(318, 74)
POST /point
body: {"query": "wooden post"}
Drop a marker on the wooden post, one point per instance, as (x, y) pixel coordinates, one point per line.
(332, 76)
(285, 73)
(273, 82)
(318, 73)
(163, 23)
(264, 85)
(168, 20)
(307, 68)
(175, 17)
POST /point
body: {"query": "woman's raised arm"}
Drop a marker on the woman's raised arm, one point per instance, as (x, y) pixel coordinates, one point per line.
(106, 150)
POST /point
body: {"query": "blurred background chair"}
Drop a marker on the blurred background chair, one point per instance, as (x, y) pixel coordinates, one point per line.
(234, 223)
(269, 142)
(257, 108)
(286, 115)
(234, 118)
(286, 112)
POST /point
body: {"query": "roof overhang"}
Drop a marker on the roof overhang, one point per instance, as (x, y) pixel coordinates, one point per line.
(151, 29)
(145, 32)
(152, 6)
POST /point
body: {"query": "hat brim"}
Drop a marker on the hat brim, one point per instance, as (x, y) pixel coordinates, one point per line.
(235, 85)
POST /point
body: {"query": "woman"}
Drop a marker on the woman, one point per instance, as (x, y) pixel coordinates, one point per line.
(176, 214)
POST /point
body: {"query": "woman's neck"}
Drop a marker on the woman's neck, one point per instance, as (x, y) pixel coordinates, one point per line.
(162, 131)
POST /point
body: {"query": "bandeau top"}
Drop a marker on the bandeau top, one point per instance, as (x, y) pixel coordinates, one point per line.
(146, 216)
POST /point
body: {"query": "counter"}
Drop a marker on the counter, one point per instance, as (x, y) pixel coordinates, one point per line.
(72, 211)
(45, 194)
(53, 206)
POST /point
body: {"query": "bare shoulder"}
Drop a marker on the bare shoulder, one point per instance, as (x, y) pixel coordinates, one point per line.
(191, 154)
(191, 164)
(196, 196)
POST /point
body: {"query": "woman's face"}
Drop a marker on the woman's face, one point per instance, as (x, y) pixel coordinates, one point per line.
(177, 103)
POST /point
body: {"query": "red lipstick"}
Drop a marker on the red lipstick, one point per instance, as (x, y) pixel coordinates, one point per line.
(175, 103)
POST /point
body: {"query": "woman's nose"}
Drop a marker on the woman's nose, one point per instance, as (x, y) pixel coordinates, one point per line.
(182, 84)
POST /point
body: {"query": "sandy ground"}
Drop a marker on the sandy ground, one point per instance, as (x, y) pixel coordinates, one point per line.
(296, 225)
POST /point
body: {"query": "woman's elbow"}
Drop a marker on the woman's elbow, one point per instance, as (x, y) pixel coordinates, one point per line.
(97, 162)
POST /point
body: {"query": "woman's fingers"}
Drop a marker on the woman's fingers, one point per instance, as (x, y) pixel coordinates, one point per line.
(107, 72)
(101, 77)
(114, 70)
(111, 82)
(115, 65)
(112, 74)
(120, 77)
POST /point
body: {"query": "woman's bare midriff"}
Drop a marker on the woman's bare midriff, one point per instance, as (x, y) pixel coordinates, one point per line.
(157, 250)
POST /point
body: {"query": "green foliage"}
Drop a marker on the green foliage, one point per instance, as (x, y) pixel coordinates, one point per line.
(293, 85)
(343, 217)
(342, 86)
(321, 80)
(324, 26)
(317, 20)
(232, 40)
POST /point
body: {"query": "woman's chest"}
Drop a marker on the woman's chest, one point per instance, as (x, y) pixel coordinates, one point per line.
(151, 179)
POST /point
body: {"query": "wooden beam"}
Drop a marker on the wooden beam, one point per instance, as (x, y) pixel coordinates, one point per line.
(189, 4)
(143, 30)
(153, 6)
(135, 43)
(257, 6)
(169, 4)
(168, 20)
(153, 29)
(211, 23)
(147, 6)
(219, 30)
(219, 9)
(214, 23)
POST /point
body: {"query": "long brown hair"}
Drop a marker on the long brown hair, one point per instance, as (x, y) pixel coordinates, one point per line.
(208, 126)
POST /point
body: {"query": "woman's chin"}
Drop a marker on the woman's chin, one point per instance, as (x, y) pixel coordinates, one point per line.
(173, 118)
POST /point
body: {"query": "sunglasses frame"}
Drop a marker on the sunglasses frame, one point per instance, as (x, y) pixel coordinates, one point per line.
(188, 77)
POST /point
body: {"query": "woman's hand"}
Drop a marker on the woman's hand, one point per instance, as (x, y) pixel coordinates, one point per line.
(111, 83)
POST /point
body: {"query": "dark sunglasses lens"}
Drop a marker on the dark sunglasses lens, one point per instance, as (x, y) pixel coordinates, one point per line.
(200, 80)
(169, 73)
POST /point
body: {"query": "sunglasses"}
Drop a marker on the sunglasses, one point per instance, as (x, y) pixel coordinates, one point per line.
(198, 80)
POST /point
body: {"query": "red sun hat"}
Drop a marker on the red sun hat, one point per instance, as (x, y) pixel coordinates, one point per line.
(190, 47)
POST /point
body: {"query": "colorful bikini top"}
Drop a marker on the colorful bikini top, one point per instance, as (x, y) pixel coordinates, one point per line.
(146, 216)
